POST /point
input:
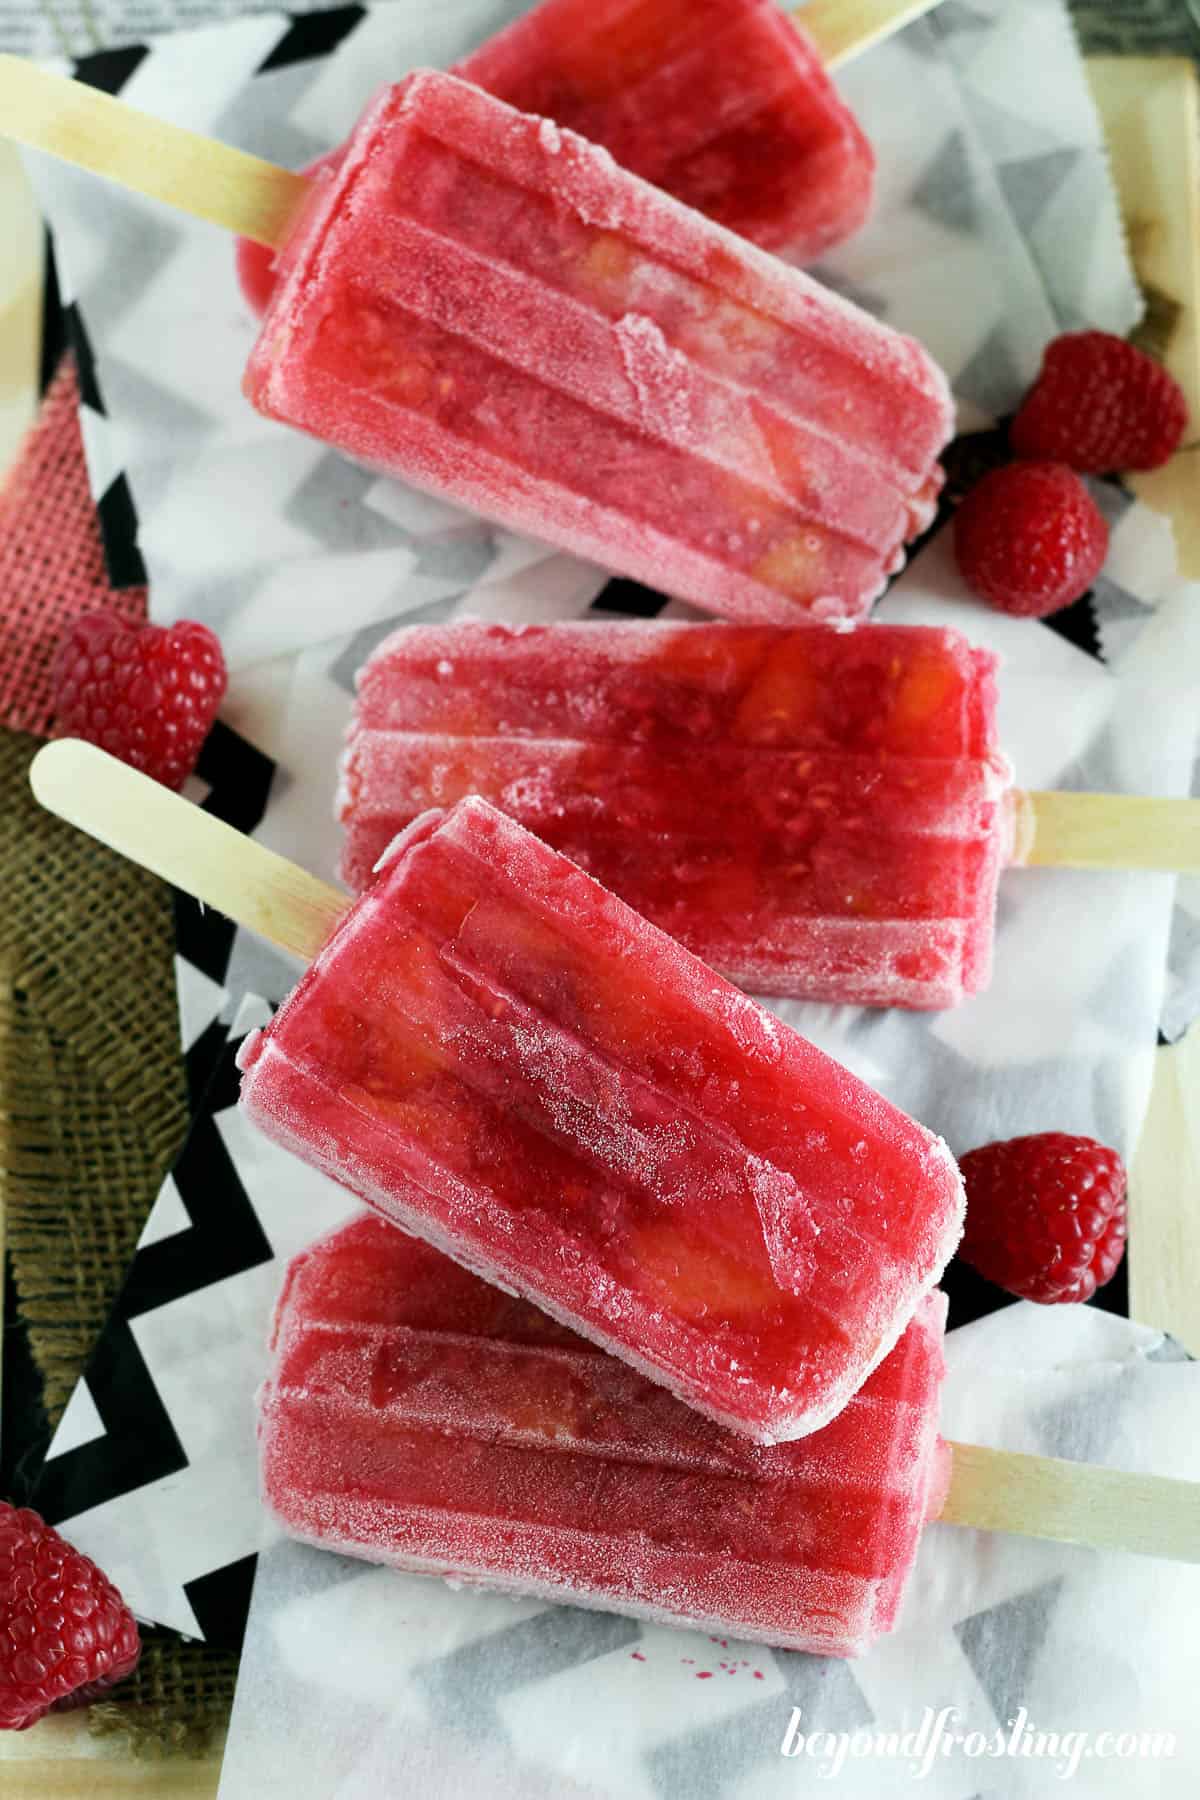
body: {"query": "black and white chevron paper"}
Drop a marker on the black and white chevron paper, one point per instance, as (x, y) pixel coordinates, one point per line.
(152, 1469)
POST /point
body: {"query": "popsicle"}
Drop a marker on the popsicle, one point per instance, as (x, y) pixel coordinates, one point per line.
(503, 1058)
(815, 813)
(724, 103)
(415, 1415)
(490, 308)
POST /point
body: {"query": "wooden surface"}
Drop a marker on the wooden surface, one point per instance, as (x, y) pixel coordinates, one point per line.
(1164, 1199)
(59, 1759)
(844, 29)
(1152, 122)
(191, 849)
(1151, 115)
(195, 174)
(20, 303)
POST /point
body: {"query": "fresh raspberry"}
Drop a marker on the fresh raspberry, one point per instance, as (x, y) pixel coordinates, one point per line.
(1045, 1215)
(1030, 539)
(147, 693)
(66, 1635)
(1101, 404)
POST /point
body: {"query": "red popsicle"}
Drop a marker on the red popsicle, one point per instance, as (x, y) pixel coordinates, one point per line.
(502, 1057)
(417, 1416)
(815, 813)
(492, 309)
(724, 103)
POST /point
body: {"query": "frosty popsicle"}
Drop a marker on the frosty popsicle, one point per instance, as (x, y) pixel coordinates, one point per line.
(419, 1417)
(503, 1058)
(724, 103)
(815, 813)
(492, 309)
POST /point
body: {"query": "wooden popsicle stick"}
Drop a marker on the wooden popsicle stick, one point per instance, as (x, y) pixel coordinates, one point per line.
(1073, 1503)
(193, 173)
(844, 29)
(270, 895)
(186, 846)
(1108, 831)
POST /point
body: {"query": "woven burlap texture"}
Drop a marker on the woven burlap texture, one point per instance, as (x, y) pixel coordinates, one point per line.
(1137, 27)
(92, 1109)
(51, 557)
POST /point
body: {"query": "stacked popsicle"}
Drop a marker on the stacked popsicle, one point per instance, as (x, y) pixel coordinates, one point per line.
(417, 1416)
(504, 1058)
(815, 813)
(723, 103)
(500, 1056)
(491, 1049)
(492, 309)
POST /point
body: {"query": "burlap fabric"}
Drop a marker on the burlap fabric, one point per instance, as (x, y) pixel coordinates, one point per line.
(1137, 27)
(91, 1086)
(51, 557)
(91, 1112)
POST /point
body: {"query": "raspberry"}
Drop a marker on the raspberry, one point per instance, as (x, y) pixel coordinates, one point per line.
(1101, 404)
(1030, 539)
(66, 1635)
(1045, 1215)
(147, 693)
